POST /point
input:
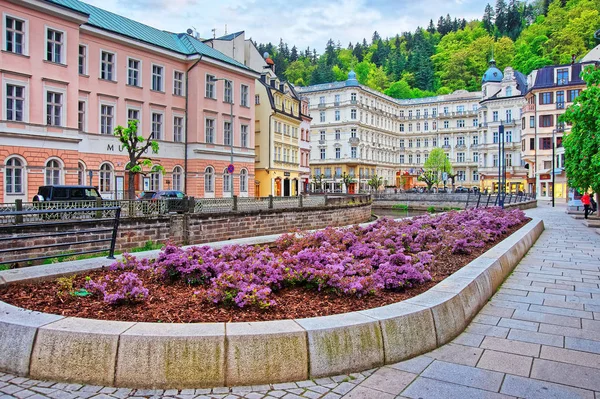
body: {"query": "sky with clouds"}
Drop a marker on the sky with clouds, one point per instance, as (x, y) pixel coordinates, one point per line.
(300, 22)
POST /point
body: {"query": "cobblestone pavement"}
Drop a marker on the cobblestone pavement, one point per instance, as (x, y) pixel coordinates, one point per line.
(538, 337)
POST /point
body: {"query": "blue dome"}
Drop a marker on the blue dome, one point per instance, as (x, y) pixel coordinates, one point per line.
(352, 81)
(493, 74)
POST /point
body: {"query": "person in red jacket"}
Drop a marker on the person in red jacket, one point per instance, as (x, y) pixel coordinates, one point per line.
(585, 200)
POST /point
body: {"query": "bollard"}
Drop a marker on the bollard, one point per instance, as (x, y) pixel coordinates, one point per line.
(478, 200)
(19, 207)
(488, 200)
(270, 201)
(99, 205)
(300, 204)
(235, 203)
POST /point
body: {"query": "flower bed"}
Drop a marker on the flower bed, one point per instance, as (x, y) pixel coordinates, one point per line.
(300, 275)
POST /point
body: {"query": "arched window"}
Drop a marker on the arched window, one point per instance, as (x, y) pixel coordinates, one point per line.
(226, 181)
(178, 178)
(106, 178)
(243, 181)
(14, 176)
(53, 171)
(155, 181)
(81, 173)
(209, 180)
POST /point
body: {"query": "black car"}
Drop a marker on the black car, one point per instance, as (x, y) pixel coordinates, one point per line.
(66, 193)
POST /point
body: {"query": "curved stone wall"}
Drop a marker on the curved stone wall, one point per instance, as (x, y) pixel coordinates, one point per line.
(156, 355)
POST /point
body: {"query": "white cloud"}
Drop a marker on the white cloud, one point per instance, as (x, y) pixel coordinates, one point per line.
(301, 23)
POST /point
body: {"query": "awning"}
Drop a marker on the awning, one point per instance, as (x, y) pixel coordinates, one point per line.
(557, 171)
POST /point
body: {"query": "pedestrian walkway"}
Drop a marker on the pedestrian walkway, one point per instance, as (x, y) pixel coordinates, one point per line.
(538, 337)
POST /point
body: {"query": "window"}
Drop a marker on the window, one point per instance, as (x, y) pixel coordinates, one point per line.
(353, 152)
(15, 102)
(495, 138)
(434, 112)
(508, 136)
(461, 176)
(54, 45)
(228, 91)
(337, 115)
(562, 76)
(560, 99)
(508, 115)
(410, 143)
(337, 134)
(52, 173)
(106, 119)
(418, 126)
(14, 176)
(338, 172)
(105, 176)
(15, 35)
(410, 158)
(227, 139)
(545, 143)
(243, 181)
(244, 136)
(54, 108)
(402, 127)
(460, 140)
(257, 99)
(509, 92)
(475, 157)
(322, 100)
(447, 141)
(508, 160)
(446, 110)
(81, 116)
(495, 116)
(495, 160)
(426, 126)
(410, 127)
(573, 94)
(546, 98)
(209, 131)
(434, 142)
(353, 98)
(157, 78)
(244, 96)
(80, 173)
(434, 125)
(157, 126)
(401, 159)
(475, 140)
(460, 123)
(401, 143)
(532, 143)
(107, 66)
(155, 181)
(531, 121)
(209, 185)
(178, 83)
(322, 153)
(337, 99)
(475, 176)
(353, 132)
(460, 157)
(322, 135)
(133, 72)
(133, 115)
(226, 181)
(338, 153)
(210, 87)
(426, 143)
(82, 63)
(446, 124)
(177, 178)
(322, 116)
(352, 114)
(178, 129)
(418, 143)
(475, 122)
(546, 120)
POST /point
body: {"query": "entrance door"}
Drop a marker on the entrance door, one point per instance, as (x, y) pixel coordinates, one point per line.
(286, 188)
(278, 187)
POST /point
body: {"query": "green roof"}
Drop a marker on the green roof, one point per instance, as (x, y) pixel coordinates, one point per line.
(177, 42)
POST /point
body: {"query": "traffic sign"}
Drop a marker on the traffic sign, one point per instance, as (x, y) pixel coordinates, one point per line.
(230, 168)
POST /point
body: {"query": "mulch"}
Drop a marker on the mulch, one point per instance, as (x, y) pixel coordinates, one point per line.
(176, 303)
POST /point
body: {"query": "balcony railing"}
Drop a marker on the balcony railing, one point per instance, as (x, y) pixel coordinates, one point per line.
(560, 105)
(322, 142)
(354, 140)
(322, 105)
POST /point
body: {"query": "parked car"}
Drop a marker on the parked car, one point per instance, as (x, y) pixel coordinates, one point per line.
(461, 190)
(163, 194)
(66, 193)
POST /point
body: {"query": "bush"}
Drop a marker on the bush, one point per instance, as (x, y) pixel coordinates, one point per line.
(431, 209)
(400, 207)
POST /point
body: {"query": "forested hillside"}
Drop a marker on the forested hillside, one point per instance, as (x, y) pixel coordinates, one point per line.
(453, 53)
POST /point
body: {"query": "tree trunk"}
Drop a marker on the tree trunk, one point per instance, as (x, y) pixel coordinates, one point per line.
(131, 185)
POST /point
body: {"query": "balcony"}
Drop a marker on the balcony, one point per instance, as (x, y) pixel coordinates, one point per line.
(528, 108)
(336, 103)
(322, 142)
(446, 147)
(322, 105)
(562, 82)
(560, 105)
(354, 140)
(353, 102)
(461, 147)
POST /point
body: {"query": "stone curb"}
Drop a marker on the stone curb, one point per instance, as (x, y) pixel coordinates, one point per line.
(155, 355)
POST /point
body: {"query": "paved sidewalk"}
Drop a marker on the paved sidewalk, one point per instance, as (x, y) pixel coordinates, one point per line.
(538, 337)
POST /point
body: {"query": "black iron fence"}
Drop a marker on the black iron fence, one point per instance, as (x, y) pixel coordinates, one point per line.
(80, 228)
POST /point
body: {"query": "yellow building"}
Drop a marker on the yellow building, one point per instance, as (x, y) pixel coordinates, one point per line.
(278, 119)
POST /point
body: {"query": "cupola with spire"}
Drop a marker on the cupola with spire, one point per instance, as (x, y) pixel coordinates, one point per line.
(352, 81)
(493, 74)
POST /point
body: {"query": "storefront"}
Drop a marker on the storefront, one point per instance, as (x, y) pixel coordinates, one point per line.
(545, 186)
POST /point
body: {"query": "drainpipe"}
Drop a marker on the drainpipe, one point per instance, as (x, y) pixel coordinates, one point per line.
(185, 159)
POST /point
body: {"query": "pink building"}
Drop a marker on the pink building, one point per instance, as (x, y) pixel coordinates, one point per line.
(71, 73)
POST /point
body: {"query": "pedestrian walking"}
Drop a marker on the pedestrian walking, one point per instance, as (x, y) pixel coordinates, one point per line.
(586, 201)
(593, 204)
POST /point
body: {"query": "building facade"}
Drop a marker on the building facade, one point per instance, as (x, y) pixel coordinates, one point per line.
(551, 90)
(503, 98)
(360, 132)
(71, 73)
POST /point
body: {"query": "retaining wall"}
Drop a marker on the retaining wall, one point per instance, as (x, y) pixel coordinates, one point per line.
(157, 355)
(190, 229)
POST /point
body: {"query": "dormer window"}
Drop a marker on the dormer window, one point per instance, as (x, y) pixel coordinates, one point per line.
(272, 82)
(562, 76)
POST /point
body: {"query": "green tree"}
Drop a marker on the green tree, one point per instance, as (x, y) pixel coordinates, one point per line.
(375, 182)
(430, 178)
(488, 18)
(400, 89)
(136, 147)
(582, 143)
(348, 180)
(436, 164)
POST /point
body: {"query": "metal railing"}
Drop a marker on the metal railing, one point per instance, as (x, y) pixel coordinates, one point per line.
(82, 227)
(161, 207)
(471, 200)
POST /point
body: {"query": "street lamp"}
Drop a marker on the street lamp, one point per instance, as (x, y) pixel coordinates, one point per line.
(501, 166)
(230, 128)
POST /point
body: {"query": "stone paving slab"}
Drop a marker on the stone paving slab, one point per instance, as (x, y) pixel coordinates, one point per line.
(538, 337)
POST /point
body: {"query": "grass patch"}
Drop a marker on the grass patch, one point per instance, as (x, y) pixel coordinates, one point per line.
(400, 207)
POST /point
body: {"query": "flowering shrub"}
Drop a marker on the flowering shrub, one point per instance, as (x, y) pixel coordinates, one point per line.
(386, 255)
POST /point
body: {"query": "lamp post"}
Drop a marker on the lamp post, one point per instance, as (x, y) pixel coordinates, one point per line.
(230, 129)
(553, 165)
(501, 166)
